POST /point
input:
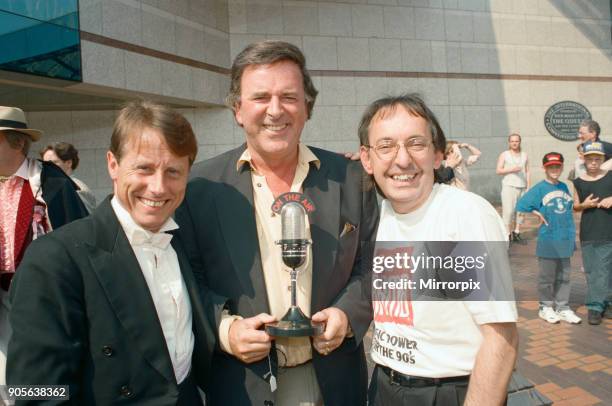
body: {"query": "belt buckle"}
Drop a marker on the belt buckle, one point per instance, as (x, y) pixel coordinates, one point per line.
(392, 377)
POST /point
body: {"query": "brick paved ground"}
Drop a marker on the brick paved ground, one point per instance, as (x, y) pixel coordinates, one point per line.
(569, 364)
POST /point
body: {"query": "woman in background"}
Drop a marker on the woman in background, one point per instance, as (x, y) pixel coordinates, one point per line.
(513, 165)
(453, 155)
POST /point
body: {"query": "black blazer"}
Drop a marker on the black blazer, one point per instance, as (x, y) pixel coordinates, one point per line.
(59, 193)
(219, 228)
(82, 316)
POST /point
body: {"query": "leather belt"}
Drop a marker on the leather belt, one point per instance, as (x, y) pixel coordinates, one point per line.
(397, 378)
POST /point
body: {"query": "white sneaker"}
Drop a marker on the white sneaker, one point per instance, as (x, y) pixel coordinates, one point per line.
(548, 314)
(569, 316)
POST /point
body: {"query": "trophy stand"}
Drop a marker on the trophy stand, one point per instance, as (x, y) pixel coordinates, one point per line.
(294, 250)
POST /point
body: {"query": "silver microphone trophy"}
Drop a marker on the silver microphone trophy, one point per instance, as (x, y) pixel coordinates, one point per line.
(294, 247)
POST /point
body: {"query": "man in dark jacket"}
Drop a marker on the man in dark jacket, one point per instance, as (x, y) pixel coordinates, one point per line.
(230, 230)
(108, 305)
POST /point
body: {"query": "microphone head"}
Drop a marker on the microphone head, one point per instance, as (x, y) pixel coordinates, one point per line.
(294, 242)
(293, 223)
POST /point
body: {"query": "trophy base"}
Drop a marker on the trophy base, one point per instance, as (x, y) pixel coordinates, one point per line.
(295, 324)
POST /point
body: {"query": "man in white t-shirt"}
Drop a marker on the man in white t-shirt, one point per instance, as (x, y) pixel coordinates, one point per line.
(431, 352)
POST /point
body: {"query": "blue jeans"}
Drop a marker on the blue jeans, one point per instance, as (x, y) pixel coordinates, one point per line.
(597, 260)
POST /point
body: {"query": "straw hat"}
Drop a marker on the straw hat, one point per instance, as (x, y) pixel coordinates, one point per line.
(13, 118)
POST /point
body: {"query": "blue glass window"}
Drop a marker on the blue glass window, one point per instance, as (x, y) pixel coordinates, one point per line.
(41, 37)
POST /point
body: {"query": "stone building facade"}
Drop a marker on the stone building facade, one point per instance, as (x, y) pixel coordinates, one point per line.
(486, 67)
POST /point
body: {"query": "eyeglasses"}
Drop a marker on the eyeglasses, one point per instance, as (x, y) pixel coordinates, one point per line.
(387, 150)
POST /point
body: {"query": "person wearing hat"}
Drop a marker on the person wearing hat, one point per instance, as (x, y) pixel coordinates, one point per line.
(36, 197)
(593, 197)
(551, 201)
(590, 130)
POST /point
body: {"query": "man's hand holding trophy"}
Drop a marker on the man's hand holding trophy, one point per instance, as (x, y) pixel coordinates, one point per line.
(293, 208)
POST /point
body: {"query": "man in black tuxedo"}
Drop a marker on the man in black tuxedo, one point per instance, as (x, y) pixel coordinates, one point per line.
(108, 304)
(230, 229)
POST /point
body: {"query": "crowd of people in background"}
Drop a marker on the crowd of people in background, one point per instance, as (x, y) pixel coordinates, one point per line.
(554, 204)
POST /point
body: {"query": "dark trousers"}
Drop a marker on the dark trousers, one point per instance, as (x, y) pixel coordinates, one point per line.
(384, 393)
(188, 393)
(554, 283)
(597, 260)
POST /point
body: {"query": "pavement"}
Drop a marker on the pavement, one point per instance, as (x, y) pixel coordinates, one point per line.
(569, 364)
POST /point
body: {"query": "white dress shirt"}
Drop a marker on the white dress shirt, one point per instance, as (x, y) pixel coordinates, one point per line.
(160, 267)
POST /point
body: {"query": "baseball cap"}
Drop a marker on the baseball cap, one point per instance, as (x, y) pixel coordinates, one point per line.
(593, 147)
(552, 158)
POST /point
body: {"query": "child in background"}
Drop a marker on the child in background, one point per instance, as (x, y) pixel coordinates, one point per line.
(551, 201)
(594, 198)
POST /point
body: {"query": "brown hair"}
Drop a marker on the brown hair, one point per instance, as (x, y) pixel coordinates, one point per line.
(64, 151)
(415, 105)
(449, 147)
(18, 140)
(140, 114)
(266, 53)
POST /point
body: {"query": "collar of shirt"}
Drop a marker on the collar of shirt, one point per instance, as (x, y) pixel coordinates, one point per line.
(23, 171)
(32, 169)
(138, 236)
(305, 157)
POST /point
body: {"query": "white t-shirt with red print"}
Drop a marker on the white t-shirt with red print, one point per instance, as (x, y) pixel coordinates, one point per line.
(437, 339)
